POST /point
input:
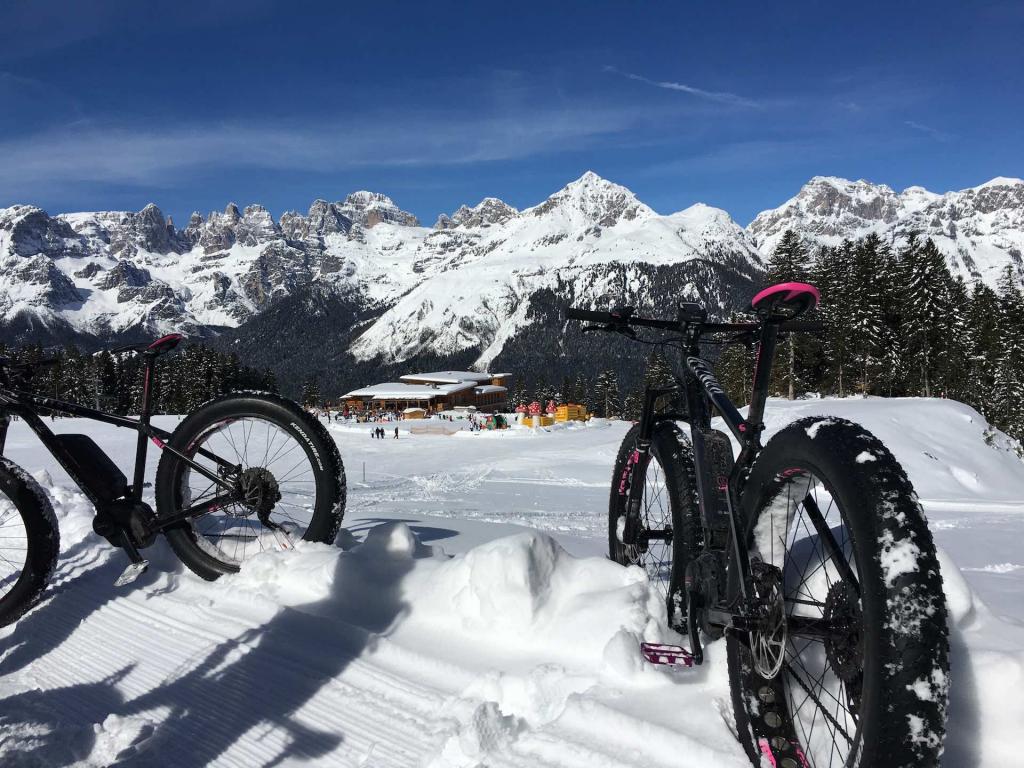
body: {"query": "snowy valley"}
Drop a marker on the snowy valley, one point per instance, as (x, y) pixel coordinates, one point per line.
(467, 616)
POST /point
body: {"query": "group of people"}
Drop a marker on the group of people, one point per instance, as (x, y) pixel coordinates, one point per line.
(379, 434)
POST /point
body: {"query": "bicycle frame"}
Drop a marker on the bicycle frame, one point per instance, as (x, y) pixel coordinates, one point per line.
(26, 405)
(703, 394)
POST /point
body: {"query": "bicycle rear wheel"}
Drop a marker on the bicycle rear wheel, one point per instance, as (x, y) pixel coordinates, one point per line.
(285, 468)
(29, 542)
(849, 666)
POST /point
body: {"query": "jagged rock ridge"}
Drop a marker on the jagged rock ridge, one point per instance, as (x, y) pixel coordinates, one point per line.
(468, 288)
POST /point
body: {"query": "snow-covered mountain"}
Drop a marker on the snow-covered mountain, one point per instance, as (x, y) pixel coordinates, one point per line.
(482, 284)
(980, 230)
(464, 284)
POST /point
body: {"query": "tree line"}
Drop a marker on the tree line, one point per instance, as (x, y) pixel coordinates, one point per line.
(113, 382)
(897, 323)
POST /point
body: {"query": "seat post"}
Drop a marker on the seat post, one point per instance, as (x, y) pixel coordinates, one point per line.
(762, 373)
(142, 444)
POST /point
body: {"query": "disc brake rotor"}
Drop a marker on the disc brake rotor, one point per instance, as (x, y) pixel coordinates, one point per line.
(768, 640)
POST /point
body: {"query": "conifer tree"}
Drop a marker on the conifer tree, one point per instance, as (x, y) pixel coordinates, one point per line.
(583, 392)
(831, 276)
(735, 369)
(982, 332)
(311, 392)
(633, 405)
(1008, 387)
(929, 316)
(606, 394)
(789, 262)
(659, 372)
(866, 308)
(518, 394)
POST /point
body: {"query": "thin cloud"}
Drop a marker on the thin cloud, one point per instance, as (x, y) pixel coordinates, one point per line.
(721, 97)
(935, 133)
(160, 156)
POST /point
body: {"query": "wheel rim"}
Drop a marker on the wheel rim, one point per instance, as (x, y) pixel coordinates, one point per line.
(653, 555)
(821, 676)
(13, 545)
(265, 452)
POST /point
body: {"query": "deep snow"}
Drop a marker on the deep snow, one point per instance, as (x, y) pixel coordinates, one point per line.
(521, 650)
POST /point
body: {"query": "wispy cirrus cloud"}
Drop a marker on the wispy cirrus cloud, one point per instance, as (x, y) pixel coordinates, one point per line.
(162, 155)
(721, 97)
(935, 133)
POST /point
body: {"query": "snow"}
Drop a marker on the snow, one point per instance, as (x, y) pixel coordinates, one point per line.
(412, 391)
(466, 617)
(448, 377)
(980, 230)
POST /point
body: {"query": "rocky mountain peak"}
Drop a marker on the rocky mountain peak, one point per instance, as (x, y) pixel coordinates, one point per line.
(31, 231)
(256, 226)
(979, 229)
(326, 218)
(488, 211)
(593, 198)
(371, 208)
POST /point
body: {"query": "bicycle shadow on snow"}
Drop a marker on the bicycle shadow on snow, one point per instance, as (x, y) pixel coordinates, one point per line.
(84, 584)
(255, 682)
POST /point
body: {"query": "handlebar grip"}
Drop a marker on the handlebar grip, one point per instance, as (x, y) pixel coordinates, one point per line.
(572, 313)
(803, 326)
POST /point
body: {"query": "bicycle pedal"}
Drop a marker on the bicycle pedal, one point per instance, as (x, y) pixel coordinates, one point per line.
(131, 573)
(666, 655)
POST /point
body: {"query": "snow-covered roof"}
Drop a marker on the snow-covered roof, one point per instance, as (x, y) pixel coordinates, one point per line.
(489, 388)
(448, 377)
(403, 391)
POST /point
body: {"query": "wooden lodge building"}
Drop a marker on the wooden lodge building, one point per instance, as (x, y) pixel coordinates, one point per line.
(433, 392)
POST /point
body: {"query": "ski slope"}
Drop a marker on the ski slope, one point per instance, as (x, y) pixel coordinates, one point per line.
(467, 617)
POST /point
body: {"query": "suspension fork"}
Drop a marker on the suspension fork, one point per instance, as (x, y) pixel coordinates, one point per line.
(640, 456)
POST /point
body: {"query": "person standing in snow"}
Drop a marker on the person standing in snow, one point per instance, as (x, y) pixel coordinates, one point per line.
(396, 433)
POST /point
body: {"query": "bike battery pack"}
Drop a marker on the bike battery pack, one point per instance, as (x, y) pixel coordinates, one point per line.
(93, 467)
(719, 468)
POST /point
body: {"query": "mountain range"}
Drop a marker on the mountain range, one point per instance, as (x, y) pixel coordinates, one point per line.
(357, 289)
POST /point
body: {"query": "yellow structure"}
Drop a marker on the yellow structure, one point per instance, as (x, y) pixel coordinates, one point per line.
(571, 412)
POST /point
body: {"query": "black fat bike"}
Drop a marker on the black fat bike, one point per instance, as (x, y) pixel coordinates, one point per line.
(810, 555)
(242, 473)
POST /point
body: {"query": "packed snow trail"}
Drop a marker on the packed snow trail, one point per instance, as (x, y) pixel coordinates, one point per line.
(521, 650)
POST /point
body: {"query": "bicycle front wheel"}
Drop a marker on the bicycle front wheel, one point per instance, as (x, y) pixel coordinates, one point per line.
(665, 537)
(848, 665)
(283, 464)
(29, 542)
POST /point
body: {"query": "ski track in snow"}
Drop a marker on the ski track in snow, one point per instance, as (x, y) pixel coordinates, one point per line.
(521, 650)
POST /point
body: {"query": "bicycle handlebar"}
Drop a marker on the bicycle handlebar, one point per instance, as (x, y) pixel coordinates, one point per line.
(624, 319)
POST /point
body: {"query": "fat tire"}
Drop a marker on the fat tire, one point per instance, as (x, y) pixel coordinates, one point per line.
(906, 647)
(671, 448)
(330, 477)
(43, 540)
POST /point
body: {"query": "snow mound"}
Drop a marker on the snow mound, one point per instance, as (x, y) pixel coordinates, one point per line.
(526, 593)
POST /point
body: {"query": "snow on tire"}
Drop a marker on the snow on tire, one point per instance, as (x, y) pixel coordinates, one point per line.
(829, 507)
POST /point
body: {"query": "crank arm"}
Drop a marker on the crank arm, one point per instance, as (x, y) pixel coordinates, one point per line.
(198, 510)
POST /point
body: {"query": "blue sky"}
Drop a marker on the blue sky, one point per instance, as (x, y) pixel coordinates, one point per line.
(191, 104)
